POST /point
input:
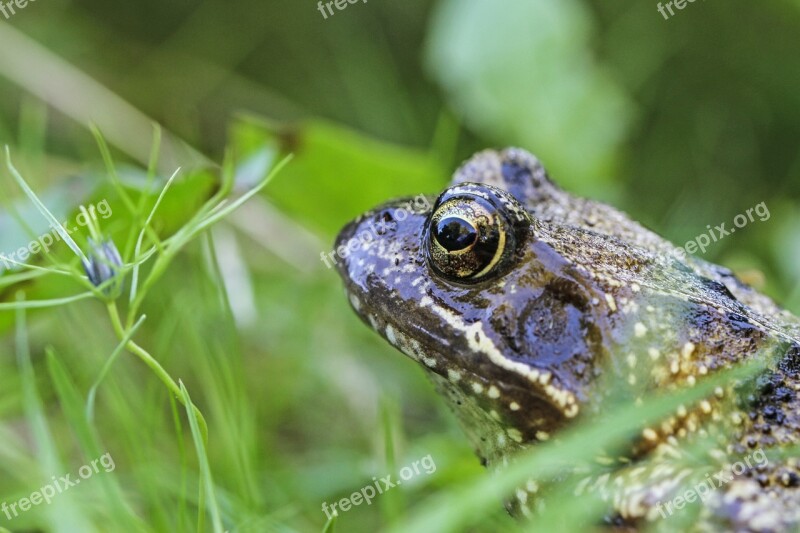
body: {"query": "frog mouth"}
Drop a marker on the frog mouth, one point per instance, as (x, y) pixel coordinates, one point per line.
(524, 388)
(533, 381)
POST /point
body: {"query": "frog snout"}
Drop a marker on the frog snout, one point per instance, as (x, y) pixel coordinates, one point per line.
(345, 234)
(355, 248)
(338, 256)
(374, 240)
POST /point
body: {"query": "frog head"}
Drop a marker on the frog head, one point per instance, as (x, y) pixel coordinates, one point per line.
(464, 286)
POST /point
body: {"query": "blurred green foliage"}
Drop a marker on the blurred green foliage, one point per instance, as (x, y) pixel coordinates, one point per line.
(683, 123)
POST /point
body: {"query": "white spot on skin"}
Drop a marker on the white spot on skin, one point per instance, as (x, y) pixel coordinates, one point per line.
(522, 496)
(477, 387)
(453, 375)
(494, 392)
(355, 302)
(654, 353)
(740, 490)
(612, 304)
(515, 434)
(687, 350)
(390, 336)
(514, 406)
(640, 330)
(542, 435)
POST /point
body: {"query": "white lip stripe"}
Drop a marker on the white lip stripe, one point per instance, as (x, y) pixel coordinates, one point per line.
(563, 398)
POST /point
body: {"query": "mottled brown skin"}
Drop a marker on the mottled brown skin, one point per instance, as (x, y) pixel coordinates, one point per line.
(529, 307)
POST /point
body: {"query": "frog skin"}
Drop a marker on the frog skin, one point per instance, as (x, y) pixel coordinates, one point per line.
(524, 303)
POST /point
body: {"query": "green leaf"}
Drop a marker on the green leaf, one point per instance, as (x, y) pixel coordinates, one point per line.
(524, 75)
(337, 173)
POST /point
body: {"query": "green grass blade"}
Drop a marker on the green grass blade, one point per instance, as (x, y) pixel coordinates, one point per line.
(55, 224)
(330, 526)
(138, 248)
(152, 168)
(112, 169)
(207, 483)
(63, 515)
(233, 206)
(107, 367)
(455, 510)
(40, 304)
(72, 404)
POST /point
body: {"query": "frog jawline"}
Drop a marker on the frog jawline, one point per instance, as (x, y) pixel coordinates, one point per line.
(496, 406)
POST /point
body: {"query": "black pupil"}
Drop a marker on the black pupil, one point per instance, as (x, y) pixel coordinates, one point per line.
(455, 234)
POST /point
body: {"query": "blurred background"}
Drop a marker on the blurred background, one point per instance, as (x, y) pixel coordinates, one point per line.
(683, 122)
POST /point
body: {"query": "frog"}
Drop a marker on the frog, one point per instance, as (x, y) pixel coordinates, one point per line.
(528, 307)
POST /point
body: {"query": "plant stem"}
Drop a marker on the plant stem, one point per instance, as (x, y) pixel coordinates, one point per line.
(154, 365)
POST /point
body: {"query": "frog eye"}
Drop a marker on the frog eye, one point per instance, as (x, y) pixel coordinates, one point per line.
(455, 234)
(473, 231)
